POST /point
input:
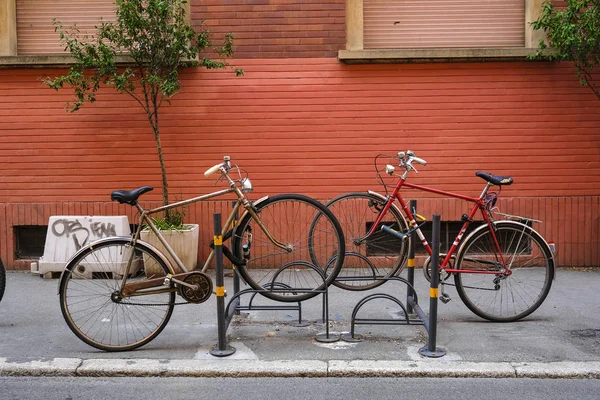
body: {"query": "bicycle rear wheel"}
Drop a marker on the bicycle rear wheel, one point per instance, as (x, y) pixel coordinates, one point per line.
(380, 255)
(316, 247)
(91, 300)
(500, 297)
(2, 279)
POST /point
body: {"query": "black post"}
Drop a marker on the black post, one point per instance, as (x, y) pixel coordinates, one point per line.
(411, 262)
(236, 276)
(222, 348)
(431, 350)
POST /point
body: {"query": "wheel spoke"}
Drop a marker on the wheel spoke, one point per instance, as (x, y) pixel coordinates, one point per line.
(92, 305)
(510, 296)
(309, 229)
(380, 255)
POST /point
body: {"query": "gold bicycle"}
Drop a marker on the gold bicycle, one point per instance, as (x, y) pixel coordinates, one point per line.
(118, 293)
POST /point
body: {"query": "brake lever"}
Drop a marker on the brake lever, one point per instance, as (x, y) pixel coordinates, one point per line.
(412, 166)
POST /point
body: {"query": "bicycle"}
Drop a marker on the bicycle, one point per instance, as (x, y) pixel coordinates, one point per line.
(118, 293)
(503, 269)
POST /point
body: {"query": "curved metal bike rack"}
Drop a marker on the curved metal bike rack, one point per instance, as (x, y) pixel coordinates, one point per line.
(412, 304)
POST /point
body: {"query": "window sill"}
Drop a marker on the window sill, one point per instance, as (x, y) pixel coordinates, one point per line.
(63, 61)
(434, 55)
(45, 61)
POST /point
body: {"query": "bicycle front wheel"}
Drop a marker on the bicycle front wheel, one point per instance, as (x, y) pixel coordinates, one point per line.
(380, 255)
(92, 303)
(314, 250)
(503, 297)
(2, 279)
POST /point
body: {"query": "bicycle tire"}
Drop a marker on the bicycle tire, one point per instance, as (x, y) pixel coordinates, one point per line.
(88, 296)
(2, 280)
(314, 235)
(381, 255)
(498, 297)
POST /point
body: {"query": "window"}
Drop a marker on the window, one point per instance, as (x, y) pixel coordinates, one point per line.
(27, 35)
(35, 29)
(381, 243)
(439, 29)
(29, 241)
(448, 232)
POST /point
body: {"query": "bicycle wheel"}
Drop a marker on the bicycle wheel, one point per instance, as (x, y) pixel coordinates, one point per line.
(2, 279)
(381, 254)
(500, 297)
(316, 242)
(90, 298)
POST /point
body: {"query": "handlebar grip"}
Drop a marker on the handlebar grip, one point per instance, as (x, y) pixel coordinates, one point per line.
(419, 160)
(212, 170)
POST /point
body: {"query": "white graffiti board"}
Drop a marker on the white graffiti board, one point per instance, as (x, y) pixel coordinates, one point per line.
(67, 234)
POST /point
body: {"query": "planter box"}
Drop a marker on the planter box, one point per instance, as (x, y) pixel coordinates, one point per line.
(183, 242)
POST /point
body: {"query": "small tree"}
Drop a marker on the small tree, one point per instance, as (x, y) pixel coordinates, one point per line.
(157, 41)
(573, 35)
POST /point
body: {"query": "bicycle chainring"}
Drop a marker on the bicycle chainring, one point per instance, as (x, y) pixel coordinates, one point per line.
(443, 275)
(204, 287)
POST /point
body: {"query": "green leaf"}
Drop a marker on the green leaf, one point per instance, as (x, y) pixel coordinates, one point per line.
(156, 37)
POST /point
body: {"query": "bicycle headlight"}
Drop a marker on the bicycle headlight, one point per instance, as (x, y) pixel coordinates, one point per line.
(246, 185)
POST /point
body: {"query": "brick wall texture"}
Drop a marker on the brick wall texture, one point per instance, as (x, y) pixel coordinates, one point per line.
(301, 121)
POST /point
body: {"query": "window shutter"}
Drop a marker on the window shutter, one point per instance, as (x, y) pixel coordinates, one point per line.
(443, 24)
(35, 32)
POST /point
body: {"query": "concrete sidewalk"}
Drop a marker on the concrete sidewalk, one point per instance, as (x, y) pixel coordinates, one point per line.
(561, 339)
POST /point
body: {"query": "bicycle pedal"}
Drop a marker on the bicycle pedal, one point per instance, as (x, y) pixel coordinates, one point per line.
(445, 298)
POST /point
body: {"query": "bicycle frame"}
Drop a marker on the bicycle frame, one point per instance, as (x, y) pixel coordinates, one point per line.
(145, 220)
(478, 205)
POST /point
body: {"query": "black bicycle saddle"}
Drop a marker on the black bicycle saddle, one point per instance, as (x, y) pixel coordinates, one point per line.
(129, 196)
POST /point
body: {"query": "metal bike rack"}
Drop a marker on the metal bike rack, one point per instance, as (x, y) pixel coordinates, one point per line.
(225, 313)
(238, 293)
(428, 321)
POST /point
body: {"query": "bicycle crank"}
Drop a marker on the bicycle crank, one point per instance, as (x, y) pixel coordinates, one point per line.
(443, 275)
(196, 287)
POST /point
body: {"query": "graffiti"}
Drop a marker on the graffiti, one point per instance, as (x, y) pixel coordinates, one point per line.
(80, 234)
(64, 227)
(102, 229)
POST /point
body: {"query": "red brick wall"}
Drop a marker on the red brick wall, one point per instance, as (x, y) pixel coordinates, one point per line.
(313, 126)
(300, 121)
(276, 28)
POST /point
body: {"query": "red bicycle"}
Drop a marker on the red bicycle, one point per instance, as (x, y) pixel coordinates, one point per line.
(503, 269)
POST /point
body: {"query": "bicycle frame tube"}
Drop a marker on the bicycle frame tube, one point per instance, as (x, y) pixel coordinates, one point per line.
(146, 220)
(478, 205)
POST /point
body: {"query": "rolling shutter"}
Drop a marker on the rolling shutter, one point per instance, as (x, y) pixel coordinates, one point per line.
(35, 32)
(443, 23)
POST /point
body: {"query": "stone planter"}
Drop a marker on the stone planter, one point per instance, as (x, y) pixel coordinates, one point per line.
(183, 242)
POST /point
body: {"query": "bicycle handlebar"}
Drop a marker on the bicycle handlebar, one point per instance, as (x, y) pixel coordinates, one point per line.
(419, 160)
(408, 157)
(215, 168)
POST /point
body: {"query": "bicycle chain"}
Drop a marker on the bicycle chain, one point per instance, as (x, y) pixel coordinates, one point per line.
(156, 304)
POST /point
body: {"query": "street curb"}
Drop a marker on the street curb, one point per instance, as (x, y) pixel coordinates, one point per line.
(203, 368)
(418, 369)
(293, 368)
(54, 367)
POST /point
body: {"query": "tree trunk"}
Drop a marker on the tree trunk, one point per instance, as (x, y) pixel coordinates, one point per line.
(163, 169)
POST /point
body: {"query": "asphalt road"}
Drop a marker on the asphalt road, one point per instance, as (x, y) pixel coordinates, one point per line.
(297, 388)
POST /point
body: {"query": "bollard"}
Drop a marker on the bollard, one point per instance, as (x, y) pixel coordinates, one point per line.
(411, 263)
(431, 350)
(222, 348)
(236, 275)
